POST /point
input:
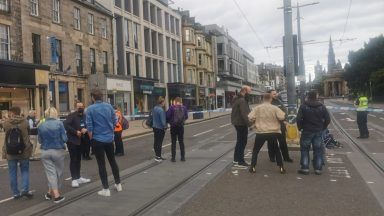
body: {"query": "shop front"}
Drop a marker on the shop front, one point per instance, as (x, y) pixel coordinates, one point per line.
(207, 98)
(25, 86)
(186, 91)
(146, 94)
(220, 98)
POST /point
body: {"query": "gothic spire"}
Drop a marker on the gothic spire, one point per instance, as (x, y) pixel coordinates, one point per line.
(331, 57)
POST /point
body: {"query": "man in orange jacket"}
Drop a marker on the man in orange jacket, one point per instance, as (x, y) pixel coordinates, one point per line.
(119, 147)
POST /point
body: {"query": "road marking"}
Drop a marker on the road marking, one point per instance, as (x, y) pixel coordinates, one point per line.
(11, 198)
(381, 118)
(167, 145)
(370, 182)
(67, 179)
(333, 180)
(372, 115)
(225, 125)
(349, 119)
(203, 133)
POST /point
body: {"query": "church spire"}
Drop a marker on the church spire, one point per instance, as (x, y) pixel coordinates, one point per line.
(331, 57)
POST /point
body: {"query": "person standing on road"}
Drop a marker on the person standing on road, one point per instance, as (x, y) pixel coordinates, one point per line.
(75, 126)
(119, 146)
(282, 139)
(266, 118)
(101, 121)
(159, 126)
(17, 150)
(32, 131)
(52, 137)
(312, 119)
(362, 116)
(239, 119)
(176, 116)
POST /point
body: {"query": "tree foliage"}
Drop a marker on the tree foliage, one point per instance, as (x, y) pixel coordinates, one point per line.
(365, 65)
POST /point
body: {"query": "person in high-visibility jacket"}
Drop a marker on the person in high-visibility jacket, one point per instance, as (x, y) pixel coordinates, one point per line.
(119, 147)
(362, 116)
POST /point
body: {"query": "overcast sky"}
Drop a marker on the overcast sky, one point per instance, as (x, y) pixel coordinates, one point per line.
(366, 20)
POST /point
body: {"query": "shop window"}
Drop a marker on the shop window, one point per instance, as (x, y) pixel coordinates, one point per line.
(36, 49)
(63, 97)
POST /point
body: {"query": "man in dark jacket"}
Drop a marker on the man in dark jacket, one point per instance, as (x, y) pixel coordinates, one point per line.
(239, 119)
(281, 138)
(76, 128)
(312, 119)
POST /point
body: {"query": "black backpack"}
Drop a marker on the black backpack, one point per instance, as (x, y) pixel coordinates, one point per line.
(125, 123)
(149, 121)
(178, 116)
(14, 142)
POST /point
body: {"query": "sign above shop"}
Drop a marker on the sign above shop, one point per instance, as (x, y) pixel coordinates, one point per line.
(118, 85)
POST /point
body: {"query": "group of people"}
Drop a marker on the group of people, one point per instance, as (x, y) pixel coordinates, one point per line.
(101, 126)
(175, 116)
(269, 121)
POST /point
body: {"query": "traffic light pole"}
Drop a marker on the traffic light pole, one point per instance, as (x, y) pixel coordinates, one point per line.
(301, 76)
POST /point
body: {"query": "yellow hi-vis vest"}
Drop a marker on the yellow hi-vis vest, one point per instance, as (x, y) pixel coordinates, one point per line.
(363, 104)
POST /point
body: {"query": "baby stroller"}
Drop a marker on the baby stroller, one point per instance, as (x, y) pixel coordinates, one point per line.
(329, 141)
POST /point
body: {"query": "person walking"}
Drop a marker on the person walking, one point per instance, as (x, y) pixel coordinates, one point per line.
(17, 150)
(75, 126)
(101, 120)
(52, 137)
(159, 126)
(266, 118)
(362, 116)
(282, 138)
(239, 119)
(119, 146)
(176, 116)
(32, 131)
(312, 119)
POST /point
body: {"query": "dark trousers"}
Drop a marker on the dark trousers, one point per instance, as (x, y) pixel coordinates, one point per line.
(75, 160)
(282, 139)
(241, 142)
(158, 140)
(259, 142)
(362, 118)
(85, 146)
(101, 149)
(119, 143)
(177, 133)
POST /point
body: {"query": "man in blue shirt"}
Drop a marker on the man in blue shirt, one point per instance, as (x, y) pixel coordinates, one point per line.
(101, 121)
(159, 126)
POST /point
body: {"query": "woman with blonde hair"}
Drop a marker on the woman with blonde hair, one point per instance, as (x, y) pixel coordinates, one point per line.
(52, 137)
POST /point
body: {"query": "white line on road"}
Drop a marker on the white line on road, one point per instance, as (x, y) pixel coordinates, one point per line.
(372, 115)
(225, 125)
(202, 133)
(11, 198)
(381, 118)
(167, 145)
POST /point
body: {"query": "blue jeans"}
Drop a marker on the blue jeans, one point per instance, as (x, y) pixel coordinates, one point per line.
(306, 140)
(12, 170)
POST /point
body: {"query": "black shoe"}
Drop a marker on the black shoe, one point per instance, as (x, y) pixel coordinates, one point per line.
(27, 194)
(173, 160)
(273, 160)
(303, 172)
(18, 196)
(289, 160)
(48, 196)
(243, 164)
(183, 159)
(58, 199)
(362, 137)
(252, 169)
(282, 170)
(87, 158)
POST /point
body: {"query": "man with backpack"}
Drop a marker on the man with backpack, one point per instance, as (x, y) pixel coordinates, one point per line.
(176, 116)
(17, 149)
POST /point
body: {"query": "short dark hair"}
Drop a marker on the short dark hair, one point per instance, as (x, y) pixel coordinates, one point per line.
(312, 95)
(271, 90)
(15, 110)
(267, 97)
(97, 94)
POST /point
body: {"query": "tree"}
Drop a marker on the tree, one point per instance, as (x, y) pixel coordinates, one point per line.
(363, 64)
(377, 84)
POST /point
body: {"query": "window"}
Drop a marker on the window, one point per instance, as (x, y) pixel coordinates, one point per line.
(80, 95)
(166, 19)
(137, 64)
(92, 60)
(221, 65)
(188, 55)
(63, 97)
(168, 43)
(36, 49)
(104, 58)
(136, 35)
(201, 78)
(200, 59)
(128, 61)
(136, 10)
(4, 6)
(177, 26)
(219, 49)
(118, 3)
(56, 11)
(52, 91)
(199, 41)
(187, 35)
(79, 60)
(104, 28)
(127, 6)
(57, 57)
(91, 29)
(126, 32)
(76, 17)
(34, 7)
(4, 42)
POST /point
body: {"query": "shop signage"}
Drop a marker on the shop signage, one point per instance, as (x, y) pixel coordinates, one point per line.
(118, 85)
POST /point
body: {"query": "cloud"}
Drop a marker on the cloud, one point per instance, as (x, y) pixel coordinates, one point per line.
(320, 22)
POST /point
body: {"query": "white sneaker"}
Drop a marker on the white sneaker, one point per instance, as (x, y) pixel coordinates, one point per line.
(82, 180)
(118, 187)
(75, 183)
(104, 192)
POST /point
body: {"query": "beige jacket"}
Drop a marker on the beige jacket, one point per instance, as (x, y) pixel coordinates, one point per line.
(266, 118)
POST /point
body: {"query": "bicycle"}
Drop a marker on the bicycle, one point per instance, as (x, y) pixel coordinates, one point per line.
(144, 124)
